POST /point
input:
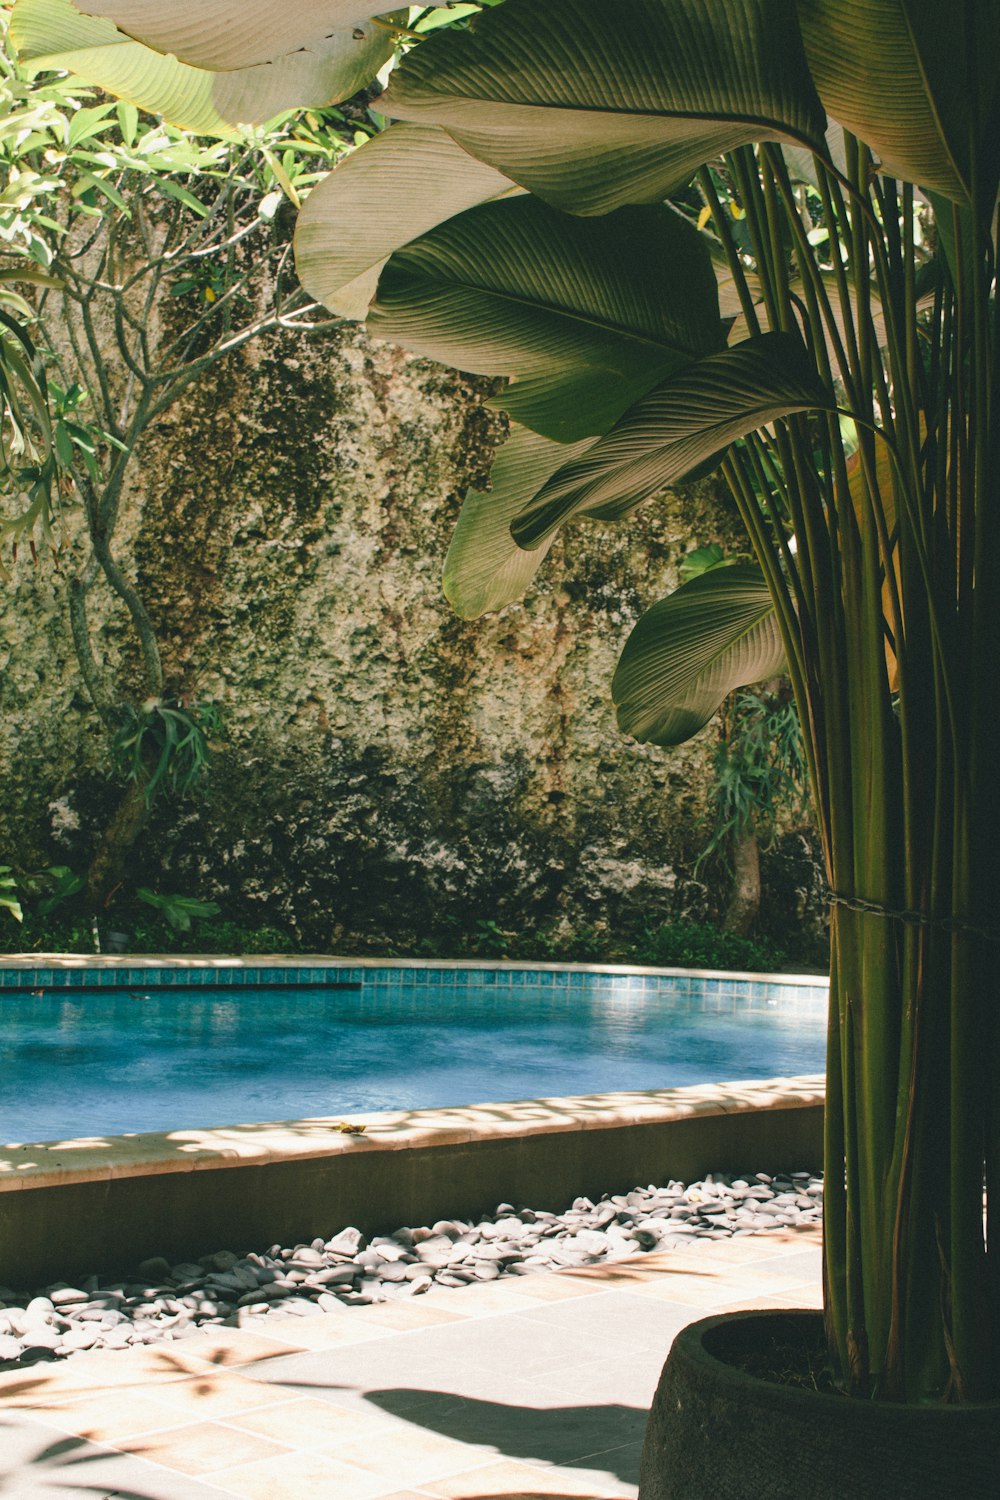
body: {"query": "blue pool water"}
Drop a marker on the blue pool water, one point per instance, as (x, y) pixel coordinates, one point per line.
(111, 1060)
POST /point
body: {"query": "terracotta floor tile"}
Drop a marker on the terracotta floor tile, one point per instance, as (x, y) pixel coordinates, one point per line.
(239, 1346)
(485, 1298)
(809, 1295)
(555, 1288)
(326, 1330)
(297, 1477)
(313, 1424)
(214, 1395)
(106, 1417)
(710, 1291)
(402, 1316)
(409, 1495)
(97, 1370)
(513, 1481)
(408, 1455)
(752, 1304)
(202, 1448)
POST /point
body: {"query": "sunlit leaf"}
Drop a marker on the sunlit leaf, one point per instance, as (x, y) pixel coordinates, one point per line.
(376, 200)
(713, 634)
(485, 569)
(910, 77)
(225, 34)
(54, 35)
(593, 106)
(685, 421)
(587, 314)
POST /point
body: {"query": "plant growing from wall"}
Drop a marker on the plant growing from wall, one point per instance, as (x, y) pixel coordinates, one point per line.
(759, 763)
(761, 232)
(155, 253)
(760, 774)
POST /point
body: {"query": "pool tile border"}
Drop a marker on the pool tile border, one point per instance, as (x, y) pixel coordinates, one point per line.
(718, 990)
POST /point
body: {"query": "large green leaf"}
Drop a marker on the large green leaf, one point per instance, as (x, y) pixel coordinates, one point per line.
(677, 427)
(376, 200)
(485, 568)
(587, 314)
(52, 34)
(592, 106)
(917, 80)
(227, 34)
(715, 633)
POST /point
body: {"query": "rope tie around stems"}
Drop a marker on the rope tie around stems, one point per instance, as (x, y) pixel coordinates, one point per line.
(913, 918)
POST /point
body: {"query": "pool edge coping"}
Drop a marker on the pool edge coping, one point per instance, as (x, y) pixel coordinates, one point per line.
(81, 962)
(49, 1164)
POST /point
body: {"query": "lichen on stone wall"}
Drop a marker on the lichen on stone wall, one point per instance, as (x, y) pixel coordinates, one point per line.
(389, 769)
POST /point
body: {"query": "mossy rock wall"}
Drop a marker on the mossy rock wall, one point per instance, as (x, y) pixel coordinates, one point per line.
(390, 771)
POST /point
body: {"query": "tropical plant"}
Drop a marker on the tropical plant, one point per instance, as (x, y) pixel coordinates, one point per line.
(149, 254)
(165, 744)
(759, 775)
(9, 899)
(759, 233)
(179, 911)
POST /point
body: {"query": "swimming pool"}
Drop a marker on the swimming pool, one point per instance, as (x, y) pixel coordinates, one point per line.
(123, 1049)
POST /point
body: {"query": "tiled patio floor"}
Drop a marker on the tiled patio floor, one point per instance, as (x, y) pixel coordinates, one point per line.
(519, 1390)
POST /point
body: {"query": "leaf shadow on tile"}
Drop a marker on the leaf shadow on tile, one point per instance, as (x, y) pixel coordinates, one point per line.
(564, 1435)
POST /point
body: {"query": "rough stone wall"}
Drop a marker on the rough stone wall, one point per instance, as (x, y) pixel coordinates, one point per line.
(389, 768)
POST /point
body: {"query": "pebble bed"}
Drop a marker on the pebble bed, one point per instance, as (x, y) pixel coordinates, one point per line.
(162, 1301)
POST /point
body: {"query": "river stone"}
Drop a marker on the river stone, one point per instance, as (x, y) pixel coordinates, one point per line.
(393, 1273)
(155, 1269)
(80, 1336)
(187, 1271)
(349, 1242)
(389, 1250)
(306, 1258)
(346, 1270)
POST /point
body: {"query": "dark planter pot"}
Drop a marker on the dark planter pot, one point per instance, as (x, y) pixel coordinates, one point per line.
(717, 1433)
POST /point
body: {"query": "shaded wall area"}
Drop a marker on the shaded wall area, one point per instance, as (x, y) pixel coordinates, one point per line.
(390, 772)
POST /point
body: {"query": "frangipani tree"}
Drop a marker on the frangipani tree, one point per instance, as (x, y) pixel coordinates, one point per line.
(761, 234)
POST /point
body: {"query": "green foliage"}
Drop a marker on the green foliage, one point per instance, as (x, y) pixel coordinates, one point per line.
(38, 892)
(715, 632)
(760, 772)
(165, 745)
(846, 154)
(8, 894)
(64, 932)
(697, 945)
(52, 886)
(178, 911)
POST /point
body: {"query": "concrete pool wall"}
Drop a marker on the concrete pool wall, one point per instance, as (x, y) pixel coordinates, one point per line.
(68, 1208)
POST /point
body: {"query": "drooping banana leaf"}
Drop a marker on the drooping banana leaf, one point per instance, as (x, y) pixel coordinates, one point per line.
(593, 106)
(678, 426)
(222, 35)
(587, 314)
(377, 200)
(715, 633)
(53, 34)
(909, 77)
(485, 568)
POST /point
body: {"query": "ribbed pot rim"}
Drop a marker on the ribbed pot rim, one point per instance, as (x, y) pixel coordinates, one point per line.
(694, 1345)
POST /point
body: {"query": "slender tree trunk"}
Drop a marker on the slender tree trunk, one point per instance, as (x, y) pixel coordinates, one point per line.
(110, 863)
(744, 899)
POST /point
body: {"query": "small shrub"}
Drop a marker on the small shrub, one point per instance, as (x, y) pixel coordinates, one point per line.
(696, 945)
